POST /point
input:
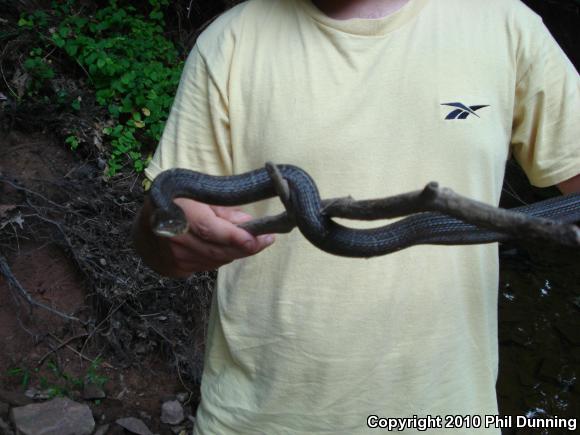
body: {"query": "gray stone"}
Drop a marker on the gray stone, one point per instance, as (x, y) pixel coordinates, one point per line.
(60, 416)
(93, 392)
(172, 412)
(36, 394)
(182, 397)
(134, 425)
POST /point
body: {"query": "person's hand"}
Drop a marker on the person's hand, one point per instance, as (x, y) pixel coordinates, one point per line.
(212, 241)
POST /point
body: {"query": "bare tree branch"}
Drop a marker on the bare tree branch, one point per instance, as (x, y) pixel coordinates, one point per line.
(432, 199)
(14, 283)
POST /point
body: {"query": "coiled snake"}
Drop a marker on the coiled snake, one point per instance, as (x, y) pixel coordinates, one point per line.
(421, 228)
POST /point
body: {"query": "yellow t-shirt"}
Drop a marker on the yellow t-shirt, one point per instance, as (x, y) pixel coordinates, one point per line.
(303, 342)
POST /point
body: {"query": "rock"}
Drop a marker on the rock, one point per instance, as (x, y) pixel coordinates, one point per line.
(182, 397)
(172, 412)
(14, 398)
(60, 416)
(179, 430)
(134, 425)
(35, 394)
(93, 392)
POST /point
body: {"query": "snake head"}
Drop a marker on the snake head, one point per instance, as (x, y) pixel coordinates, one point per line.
(169, 222)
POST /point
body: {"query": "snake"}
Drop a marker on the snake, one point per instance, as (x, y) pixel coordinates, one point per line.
(168, 219)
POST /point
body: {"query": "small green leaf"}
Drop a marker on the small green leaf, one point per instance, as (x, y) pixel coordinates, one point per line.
(73, 141)
(23, 22)
(58, 41)
(71, 49)
(64, 32)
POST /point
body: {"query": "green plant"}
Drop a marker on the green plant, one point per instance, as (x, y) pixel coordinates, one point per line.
(73, 141)
(93, 376)
(39, 69)
(66, 382)
(60, 383)
(132, 67)
(23, 372)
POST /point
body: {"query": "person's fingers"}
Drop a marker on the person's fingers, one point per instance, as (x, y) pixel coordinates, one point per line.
(237, 216)
(233, 214)
(190, 254)
(190, 248)
(207, 226)
(212, 241)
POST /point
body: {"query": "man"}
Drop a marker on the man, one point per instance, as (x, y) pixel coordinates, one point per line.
(372, 98)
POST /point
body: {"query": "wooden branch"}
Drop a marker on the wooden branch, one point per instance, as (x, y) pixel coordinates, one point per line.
(433, 199)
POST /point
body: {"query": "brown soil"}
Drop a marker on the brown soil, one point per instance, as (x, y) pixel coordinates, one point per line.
(34, 341)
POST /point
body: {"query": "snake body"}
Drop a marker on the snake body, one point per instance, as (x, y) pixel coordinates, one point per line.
(421, 228)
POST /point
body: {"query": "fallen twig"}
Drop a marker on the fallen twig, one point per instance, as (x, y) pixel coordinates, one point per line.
(107, 317)
(14, 283)
(61, 344)
(86, 358)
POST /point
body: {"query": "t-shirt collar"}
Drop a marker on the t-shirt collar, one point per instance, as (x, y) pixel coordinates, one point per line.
(367, 26)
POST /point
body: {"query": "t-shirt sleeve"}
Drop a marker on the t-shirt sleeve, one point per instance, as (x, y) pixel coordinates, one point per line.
(197, 134)
(546, 131)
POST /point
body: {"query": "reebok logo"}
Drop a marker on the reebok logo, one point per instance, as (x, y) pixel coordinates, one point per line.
(462, 110)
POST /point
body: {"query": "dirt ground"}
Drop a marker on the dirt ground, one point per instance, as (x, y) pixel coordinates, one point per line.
(539, 296)
(33, 341)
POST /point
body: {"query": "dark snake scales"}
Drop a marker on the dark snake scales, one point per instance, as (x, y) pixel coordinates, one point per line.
(420, 228)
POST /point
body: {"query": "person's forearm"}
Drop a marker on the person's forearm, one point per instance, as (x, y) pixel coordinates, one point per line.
(571, 185)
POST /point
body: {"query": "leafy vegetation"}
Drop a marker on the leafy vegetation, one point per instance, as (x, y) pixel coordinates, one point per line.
(59, 382)
(130, 65)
